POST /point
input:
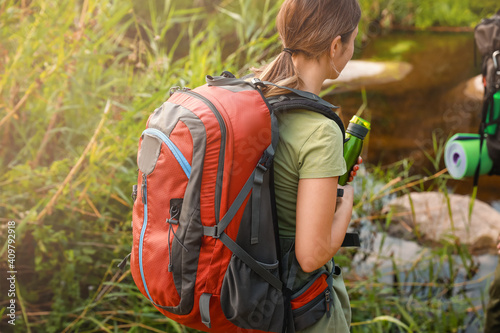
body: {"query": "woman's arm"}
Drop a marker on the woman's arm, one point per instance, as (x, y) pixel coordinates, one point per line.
(322, 221)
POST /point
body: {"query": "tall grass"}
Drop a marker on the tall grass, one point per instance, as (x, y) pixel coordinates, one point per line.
(78, 81)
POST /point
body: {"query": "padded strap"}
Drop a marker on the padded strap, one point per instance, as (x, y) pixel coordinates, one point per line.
(251, 262)
(302, 93)
(291, 102)
(205, 309)
(262, 167)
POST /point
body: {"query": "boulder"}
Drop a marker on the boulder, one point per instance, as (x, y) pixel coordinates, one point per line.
(474, 88)
(360, 73)
(431, 219)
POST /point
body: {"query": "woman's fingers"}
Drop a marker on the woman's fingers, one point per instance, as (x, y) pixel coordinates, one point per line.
(355, 168)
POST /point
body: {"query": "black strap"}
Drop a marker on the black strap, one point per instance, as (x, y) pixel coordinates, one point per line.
(288, 102)
(288, 323)
(251, 262)
(487, 106)
(260, 171)
(301, 93)
(263, 166)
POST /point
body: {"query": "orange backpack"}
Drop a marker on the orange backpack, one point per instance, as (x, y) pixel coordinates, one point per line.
(205, 237)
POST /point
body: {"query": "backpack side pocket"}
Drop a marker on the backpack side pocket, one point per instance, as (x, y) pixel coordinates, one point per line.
(312, 302)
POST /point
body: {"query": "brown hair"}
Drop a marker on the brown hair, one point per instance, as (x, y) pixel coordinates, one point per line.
(308, 27)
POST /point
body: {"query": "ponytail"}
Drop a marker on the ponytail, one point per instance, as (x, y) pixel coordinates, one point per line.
(280, 71)
(308, 27)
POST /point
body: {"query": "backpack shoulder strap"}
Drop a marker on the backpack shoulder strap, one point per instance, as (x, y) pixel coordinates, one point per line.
(291, 101)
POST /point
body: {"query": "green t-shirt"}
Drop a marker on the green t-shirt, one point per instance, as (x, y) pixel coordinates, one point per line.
(310, 146)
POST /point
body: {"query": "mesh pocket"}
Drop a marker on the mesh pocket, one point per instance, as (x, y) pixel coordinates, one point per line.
(249, 301)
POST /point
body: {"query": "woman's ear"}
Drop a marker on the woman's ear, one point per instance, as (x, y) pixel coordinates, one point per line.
(335, 47)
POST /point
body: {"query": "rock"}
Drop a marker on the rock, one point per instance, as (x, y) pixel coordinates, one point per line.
(432, 219)
(474, 88)
(360, 73)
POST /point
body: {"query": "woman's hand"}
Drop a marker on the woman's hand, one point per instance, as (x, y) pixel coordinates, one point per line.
(355, 168)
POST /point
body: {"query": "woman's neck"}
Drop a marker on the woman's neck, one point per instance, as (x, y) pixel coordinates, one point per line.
(311, 72)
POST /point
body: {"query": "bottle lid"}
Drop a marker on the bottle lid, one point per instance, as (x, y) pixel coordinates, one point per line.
(358, 127)
(360, 121)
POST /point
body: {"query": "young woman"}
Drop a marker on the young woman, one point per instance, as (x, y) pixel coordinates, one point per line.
(318, 40)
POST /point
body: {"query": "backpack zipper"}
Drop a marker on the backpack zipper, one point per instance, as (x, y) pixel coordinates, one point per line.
(144, 188)
(220, 170)
(187, 170)
(173, 148)
(327, 300)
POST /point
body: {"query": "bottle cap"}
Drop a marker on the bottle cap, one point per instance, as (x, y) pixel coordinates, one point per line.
(360, 121)
(358, 127)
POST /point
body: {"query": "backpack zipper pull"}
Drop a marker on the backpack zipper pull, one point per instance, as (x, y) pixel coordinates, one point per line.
(134, 192)
(143, 188)
(122, 263)
(328, 300)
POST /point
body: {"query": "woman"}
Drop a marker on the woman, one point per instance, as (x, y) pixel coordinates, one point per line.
(318, 39)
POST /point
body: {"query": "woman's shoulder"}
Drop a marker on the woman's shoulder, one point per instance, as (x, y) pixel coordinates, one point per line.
(301, 124)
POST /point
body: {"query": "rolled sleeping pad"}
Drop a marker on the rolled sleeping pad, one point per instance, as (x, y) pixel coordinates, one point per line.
(461, 156)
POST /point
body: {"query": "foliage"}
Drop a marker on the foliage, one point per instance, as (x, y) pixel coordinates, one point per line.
(79, 79)
(427, 13)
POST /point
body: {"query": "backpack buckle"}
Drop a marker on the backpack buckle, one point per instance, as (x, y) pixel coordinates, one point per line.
(258, 83)
(216, 232)
(261, 167)
(266, 160)
(211, 231)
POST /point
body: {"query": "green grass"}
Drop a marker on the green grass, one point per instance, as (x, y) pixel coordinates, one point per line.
(77, 83)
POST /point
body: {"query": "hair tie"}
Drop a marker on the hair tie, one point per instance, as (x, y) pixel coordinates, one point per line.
(289, 51)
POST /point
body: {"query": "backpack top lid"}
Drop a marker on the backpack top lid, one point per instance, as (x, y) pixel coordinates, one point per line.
(487, 35)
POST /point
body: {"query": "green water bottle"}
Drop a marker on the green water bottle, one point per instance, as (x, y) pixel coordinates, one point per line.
(495, 114)
(356, 132)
